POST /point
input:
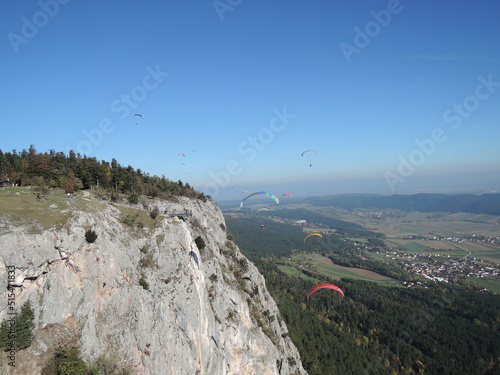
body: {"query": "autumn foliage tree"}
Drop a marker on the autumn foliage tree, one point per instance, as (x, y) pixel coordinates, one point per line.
(72, 172)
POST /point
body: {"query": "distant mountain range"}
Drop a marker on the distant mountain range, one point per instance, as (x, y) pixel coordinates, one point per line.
(480, 204)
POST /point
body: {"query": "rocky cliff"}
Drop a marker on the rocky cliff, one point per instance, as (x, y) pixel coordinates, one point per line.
(171, 295)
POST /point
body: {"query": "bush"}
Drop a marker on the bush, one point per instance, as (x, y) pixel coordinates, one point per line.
(41, 192)
(133, 199)
(143, 283)
(200, 242)
(90, 236)
(129, 219)
(108, 366)
(69, 362)
(154, 213)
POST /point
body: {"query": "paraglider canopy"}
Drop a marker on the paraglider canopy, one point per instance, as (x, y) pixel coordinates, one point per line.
(312, 234)
(260, 193)
(137, 114)
(324, 286)
(306, 151)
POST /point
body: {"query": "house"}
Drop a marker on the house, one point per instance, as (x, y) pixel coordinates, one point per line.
(5, 183)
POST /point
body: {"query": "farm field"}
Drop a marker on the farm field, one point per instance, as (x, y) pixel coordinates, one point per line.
(488, 283)
(422, 223)
(397, 227)
(325, 266)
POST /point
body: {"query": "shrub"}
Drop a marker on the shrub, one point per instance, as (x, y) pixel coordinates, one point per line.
(133, 199)
(106, 365)
(69, 362)
(90, 236)
(41, 192)
(200, 242)
(130, 219)
(143, 283)
(243, 265)
(154, 213)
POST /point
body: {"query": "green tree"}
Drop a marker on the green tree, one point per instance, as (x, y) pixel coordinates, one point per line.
(90, 236)
(134, 199)
(69, 362)
(70, 183)
(5, 342)
(24, 326)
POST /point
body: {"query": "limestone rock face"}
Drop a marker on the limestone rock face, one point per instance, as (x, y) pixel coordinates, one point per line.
(172, 296)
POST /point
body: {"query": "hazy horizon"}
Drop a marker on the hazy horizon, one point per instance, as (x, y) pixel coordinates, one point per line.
(473, 183)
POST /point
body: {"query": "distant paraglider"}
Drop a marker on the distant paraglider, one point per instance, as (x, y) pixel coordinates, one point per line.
(312, 234)
(138, 115)
(265, 193)
(306, 151)
(287, 195)
(263, 209)
(324, 286)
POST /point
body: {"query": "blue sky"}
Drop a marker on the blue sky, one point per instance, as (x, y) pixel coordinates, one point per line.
(395, 96)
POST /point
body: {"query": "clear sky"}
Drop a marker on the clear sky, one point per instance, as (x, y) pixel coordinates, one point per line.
(394, 96)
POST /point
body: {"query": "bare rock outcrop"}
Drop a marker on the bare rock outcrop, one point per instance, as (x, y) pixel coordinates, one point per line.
(173, 296)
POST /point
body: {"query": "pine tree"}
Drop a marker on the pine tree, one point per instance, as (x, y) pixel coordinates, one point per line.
(4, 336)
(24, 326)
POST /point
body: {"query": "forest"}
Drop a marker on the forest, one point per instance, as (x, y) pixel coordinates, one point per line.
(73, 172)
(433, 329)
(282, 240)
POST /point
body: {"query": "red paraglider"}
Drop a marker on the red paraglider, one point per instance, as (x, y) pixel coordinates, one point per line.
(324, 286)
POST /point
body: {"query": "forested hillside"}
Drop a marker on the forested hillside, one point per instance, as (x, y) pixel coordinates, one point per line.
(73, 172)
(389, 330)
(433, 329)
(281, 240)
